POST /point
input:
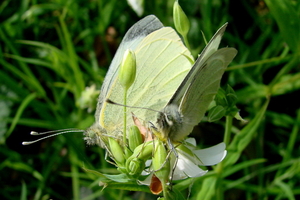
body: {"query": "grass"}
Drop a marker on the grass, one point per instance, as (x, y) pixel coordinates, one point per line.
(52, 50)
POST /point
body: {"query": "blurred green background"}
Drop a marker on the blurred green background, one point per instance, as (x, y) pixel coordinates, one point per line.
(51, 50)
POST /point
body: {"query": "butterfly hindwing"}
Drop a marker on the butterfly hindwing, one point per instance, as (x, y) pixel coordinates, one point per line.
(192, 98)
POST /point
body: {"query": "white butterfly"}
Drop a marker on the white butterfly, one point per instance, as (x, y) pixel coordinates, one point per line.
(165, 81)
(189, 103)
(162, 63)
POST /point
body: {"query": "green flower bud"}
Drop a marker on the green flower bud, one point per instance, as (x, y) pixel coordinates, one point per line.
(230, 96)
(117, 151)
(160, 163)
(135, 164)
(127, 152)
(135, 138)
(143, 151)
(221, 98)
(216, 113)
(181, 21)
(127, 69)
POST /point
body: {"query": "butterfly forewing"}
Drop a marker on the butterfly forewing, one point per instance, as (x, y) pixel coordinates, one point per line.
(131, 39)
(162, 62)
(213, 44)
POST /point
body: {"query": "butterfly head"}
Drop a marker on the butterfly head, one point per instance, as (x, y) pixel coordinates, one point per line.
(169, 122)
(95, 135)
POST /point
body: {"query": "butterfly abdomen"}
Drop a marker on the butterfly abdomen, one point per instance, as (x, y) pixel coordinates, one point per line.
(95, 135)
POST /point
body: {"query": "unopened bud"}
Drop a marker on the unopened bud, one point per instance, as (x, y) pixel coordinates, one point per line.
(216, 113)
(135, 138)
(181, 21)
(160, 162)
(117, 152)
(135, 164)
(127, 69)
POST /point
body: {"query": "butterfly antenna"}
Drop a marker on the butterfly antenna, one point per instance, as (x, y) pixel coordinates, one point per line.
(47, 132)
(118, 104)
(55, 133)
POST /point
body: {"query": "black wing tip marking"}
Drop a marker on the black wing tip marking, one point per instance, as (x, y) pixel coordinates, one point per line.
(143, 27)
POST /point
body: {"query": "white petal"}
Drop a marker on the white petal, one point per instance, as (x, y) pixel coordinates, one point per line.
(187, 167)
(137, 6)
(192, 141)
(148, 163)
(179, 174)
(147, 169)
(212, 155)
(145, 173)
(147, 181)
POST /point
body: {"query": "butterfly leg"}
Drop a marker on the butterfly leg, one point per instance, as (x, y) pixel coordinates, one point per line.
(172, 149)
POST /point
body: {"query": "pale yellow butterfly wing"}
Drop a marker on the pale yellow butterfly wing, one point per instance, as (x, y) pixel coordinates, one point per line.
(192, 98)
(162, 63)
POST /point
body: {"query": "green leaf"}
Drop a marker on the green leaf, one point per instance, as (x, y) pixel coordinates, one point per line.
(130, 186)
(106, 178)
(287, 18)
(243, 138)
(21, 109)
(208, 189)
(23, 191)
(287, 83)
(286, 189)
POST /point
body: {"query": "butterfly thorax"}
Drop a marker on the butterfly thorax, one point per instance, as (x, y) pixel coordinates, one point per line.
(170, 123)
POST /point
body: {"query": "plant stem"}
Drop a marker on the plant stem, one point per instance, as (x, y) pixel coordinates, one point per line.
(125, 119)
(227, 130)
(219, 168)
(186, 42)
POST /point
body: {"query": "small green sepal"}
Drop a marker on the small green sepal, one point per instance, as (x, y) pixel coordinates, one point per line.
(117, 152)
(135, 138)
(216, 113)
(230, 96)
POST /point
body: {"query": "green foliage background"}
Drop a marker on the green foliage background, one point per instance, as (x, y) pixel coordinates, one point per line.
(52, 49)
